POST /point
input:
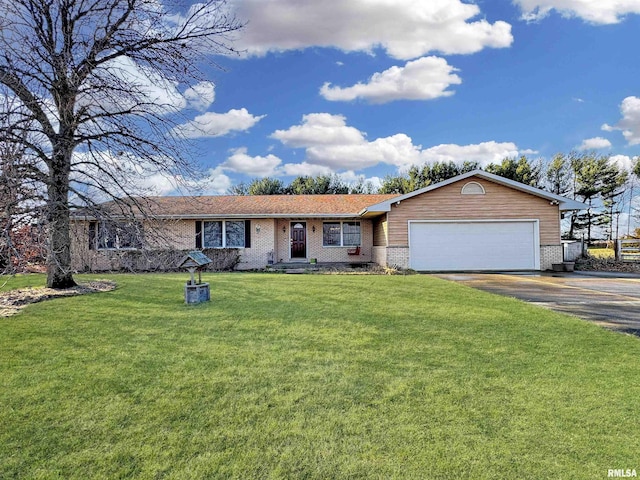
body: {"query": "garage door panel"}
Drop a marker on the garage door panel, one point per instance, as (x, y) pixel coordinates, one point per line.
(499, 245)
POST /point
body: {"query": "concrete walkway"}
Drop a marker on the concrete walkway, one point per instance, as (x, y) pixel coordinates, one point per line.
(607, 298)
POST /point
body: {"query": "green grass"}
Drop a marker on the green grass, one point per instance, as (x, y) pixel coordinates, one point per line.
(311, 376)
(10, 282)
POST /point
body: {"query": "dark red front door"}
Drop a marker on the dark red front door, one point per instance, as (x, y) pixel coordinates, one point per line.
(298, 240)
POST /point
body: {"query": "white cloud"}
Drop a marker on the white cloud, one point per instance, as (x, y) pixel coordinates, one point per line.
(320, 129)
(259, 166)
(213, 124)
(593, 11)
(405, 29)
(423, 79)
(595, 143)
(352, 178)
(102, 174)
(484, 153)
(215, 183)
(330, 142)
(630, 122)
(201, 95)
(623, 161)
(304, 168)
(136, 85)
(395, 150)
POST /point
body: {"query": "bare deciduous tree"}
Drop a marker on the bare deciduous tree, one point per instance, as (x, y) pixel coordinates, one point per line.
(97, 85)
(20, 201)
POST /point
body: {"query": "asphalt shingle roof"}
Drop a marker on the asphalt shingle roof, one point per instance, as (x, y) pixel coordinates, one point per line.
(259, 205)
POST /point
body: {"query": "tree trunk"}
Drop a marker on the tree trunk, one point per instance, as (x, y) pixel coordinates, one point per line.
(572, 224)
(59, 273)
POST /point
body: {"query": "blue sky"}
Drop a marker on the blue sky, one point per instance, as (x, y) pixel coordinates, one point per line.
(366, 88)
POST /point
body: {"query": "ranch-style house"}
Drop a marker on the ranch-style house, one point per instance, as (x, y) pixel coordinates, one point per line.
(473, 222)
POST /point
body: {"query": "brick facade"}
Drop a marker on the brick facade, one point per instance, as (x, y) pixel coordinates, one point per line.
(270, 239)
(315, 248)
(398, 256)
(550, 254)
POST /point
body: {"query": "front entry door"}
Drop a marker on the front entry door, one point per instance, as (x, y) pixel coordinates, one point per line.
(299, 240)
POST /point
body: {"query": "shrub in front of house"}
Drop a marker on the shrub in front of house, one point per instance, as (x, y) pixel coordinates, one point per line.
(166, 260)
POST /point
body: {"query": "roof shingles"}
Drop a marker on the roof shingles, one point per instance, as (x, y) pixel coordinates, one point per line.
(259, 205)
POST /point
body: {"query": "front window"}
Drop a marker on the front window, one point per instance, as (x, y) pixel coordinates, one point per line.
(212, 235)
(331, 234)
(351, 234)
(234, 234)
(114, 236)
(223, 234)
(340, 234)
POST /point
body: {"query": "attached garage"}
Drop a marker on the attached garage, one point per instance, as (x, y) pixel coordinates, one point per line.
(474, 245)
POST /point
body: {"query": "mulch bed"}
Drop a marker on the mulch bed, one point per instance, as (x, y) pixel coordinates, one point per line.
(13, 301)
(607, 265)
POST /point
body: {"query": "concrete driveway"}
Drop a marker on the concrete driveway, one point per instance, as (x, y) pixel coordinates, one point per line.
(612, 300)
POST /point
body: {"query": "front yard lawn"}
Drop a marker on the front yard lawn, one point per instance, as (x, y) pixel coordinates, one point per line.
(312, 376)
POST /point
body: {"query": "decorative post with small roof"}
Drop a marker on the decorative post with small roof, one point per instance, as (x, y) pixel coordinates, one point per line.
(194, 292)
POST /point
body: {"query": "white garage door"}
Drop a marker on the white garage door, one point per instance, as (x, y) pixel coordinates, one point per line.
(474, 245)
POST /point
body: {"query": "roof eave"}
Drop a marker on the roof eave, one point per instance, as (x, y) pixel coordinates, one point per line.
(569, 204)
(225, 216)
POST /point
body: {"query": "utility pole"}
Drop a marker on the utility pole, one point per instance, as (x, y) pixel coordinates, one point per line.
(629, 216)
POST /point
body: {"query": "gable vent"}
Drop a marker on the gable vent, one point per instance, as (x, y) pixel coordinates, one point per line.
(472, 188)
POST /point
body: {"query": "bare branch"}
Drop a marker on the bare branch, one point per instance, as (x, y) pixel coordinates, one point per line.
(95, 83)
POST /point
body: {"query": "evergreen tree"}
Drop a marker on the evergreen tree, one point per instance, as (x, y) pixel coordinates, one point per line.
(521, 170)
(320, 185)
(613, 181)
(395, 184)
(595, 178)
(266, 186)
(559, 174)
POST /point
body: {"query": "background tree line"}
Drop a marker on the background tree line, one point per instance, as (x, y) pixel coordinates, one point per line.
(302, 185)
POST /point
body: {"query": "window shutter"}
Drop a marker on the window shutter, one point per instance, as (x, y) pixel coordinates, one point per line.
(92, 235)
(247, 234)
(198, 234)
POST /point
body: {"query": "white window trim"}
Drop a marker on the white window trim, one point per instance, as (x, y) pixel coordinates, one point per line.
(342, 245)
(224, 233)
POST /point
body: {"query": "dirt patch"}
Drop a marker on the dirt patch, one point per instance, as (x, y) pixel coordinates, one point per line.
(13, 301)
